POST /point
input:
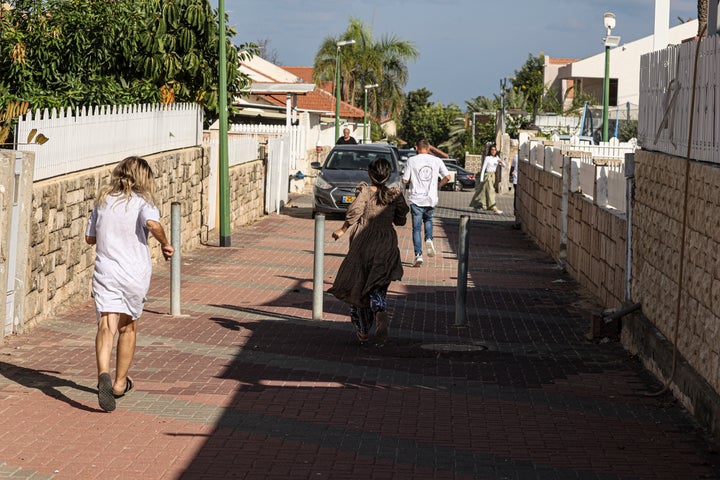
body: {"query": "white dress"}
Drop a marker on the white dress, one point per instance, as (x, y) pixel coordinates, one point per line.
(123, 266)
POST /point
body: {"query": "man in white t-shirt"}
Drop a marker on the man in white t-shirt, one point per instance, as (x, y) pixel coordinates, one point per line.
(422, 173)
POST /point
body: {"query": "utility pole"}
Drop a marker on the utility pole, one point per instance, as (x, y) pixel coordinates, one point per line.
(223, 168)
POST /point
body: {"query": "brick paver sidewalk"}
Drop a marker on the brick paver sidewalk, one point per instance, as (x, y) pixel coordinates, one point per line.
(247, 385)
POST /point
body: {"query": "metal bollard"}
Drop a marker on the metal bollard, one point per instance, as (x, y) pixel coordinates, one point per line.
(175, 259)
(318, 267)
(460, 298)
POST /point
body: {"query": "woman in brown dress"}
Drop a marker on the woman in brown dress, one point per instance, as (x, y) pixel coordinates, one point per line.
(373, 259)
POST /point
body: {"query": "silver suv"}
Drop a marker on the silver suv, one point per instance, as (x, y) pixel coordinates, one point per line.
(344, 168)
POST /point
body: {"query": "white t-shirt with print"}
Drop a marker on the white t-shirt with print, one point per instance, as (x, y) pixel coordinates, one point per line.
(422, 171)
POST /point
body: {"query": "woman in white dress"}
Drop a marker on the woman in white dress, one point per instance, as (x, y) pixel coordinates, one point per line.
(123, 215)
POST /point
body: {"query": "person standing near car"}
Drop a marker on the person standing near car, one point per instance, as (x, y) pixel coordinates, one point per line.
(346, 139)
(484, 197)
(422, 173)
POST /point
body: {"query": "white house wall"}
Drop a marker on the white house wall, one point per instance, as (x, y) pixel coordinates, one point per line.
(624, 63)
(262, 71)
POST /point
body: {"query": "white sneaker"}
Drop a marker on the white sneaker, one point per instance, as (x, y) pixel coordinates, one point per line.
(430, 247)
(418, 261)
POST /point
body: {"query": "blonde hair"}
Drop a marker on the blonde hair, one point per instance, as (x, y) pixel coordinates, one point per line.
(132, 175)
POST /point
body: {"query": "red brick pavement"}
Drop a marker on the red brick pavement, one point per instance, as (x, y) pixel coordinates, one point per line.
(246, 385)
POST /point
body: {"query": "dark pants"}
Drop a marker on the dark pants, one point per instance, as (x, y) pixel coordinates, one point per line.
(364, 317)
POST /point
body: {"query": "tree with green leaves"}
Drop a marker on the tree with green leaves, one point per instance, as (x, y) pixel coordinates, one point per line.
(529, 82)
(424, 119)
(462, 131)
(414, 102)
(366, 62)
(176, 45)
(66, 53)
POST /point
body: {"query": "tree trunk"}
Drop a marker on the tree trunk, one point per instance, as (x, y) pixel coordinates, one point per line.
(702, 8)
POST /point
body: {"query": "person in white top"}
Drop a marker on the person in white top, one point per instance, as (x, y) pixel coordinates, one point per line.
(484, 198)
(123, 215)
(423, 172)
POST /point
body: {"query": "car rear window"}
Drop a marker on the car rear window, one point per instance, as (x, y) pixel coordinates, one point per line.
(341, 160)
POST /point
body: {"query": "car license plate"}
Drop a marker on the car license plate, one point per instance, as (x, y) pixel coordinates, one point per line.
(348, 198)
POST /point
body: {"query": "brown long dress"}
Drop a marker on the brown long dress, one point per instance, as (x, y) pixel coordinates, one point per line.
(373, 259)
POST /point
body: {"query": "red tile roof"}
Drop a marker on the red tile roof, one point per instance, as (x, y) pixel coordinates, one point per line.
(306, 73)
(562, 61)
(321, 99)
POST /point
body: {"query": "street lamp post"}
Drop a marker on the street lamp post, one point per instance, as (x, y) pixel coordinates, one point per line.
(337, 85)
(503, 84)
(367, 87)
(473, 126)
(609, 41)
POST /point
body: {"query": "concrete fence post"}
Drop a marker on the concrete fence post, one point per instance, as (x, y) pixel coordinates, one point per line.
(601, 186)
(564, 205)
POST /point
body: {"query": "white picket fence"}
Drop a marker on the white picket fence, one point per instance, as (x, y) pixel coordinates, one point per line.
(612, 149)
(597, 171)
(666, 79)
(96, 136)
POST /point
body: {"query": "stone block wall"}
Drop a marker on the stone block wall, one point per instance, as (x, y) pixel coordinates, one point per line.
(593, 247)
(247, 193)
(596, 250)
(596, 256)
(61, 263)
(540, 206)
(656, 245)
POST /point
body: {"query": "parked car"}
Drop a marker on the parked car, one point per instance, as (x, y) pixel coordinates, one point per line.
(460, 179)
(344, 168)
(404, 154)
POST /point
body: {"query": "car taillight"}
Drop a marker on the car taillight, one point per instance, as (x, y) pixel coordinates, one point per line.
(471, 176)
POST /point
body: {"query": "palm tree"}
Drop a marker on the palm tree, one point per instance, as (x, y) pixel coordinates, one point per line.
(482, 105)
(461, 131)
(702, 8)
(367, 62)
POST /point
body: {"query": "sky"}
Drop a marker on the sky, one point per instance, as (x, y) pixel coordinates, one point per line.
(465, 46)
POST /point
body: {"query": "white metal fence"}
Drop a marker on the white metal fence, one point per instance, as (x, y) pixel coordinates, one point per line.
(278, 173)
(666, 79)
(284, 148)
(558, 123)
(95, 136)
(297, 137)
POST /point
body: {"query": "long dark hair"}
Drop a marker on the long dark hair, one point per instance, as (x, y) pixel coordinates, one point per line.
(379, 171)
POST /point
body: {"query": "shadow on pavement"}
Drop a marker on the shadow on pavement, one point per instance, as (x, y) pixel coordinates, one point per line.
(45, 382)
(312, 403)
